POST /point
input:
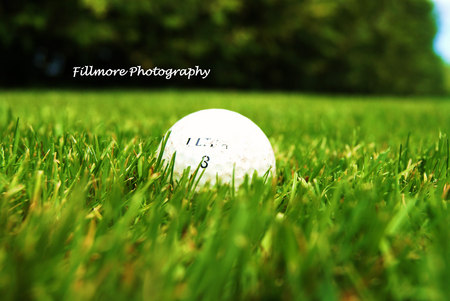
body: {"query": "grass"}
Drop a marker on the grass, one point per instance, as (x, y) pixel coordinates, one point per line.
(358, 210)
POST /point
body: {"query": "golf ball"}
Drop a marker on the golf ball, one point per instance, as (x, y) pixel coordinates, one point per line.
(221, 144)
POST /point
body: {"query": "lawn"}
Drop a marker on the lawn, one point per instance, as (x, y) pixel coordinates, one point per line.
(358, 209)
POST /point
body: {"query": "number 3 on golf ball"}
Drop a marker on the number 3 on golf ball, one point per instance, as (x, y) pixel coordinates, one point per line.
(219, 141)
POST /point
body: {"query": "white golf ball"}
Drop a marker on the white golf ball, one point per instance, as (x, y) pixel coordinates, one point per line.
(219, 142)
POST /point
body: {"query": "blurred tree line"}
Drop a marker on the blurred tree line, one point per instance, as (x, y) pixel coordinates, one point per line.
(354, 46)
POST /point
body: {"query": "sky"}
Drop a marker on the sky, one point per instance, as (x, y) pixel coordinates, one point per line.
(442, 41)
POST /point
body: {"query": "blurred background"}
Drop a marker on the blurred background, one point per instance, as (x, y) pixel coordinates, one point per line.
(327, 46)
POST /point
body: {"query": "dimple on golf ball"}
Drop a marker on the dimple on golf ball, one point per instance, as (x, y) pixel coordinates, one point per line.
(220, 143)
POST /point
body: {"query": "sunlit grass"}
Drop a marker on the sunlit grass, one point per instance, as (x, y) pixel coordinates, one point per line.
(359, 207)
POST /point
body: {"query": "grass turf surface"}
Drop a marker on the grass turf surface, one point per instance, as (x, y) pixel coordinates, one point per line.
(359, 208)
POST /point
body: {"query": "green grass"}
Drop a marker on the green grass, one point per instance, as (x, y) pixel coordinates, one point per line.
(358, 210)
